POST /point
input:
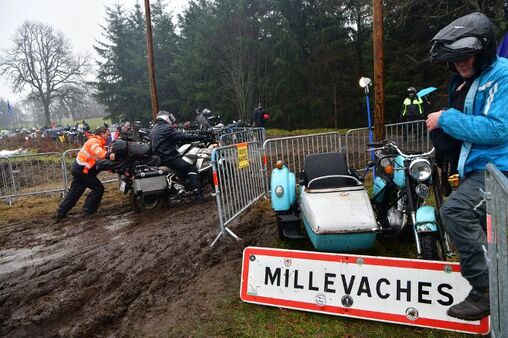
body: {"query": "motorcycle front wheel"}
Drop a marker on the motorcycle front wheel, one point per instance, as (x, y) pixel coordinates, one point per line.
(431, 247)
(140, 203)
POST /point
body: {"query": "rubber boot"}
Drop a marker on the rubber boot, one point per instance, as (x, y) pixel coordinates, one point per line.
(474, 307)
(198, 195)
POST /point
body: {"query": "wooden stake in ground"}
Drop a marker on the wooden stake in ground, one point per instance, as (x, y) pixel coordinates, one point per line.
(379, 87)
(149, 59)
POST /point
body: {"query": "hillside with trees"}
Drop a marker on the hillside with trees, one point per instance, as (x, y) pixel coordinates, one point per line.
(301, 59)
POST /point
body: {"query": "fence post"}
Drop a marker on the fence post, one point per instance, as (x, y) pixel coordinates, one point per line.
(13, 181)
(496, 196)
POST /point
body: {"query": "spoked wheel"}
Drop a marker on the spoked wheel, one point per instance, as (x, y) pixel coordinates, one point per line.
(431, 247)
(140, 203)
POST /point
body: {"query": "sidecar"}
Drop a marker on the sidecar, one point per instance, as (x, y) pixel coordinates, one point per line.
(332, 204)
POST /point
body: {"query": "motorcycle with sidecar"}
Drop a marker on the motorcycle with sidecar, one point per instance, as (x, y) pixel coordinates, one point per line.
(333, 207)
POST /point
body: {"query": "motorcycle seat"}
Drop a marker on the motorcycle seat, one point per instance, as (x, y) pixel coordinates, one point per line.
(327, 164)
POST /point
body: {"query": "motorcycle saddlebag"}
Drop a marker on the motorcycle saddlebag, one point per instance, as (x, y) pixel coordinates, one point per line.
(150, 185)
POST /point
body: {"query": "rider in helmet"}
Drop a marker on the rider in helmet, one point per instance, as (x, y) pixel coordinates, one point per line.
(412, 106)
(165, 141)
(412, 110)
(478, 119)
(202, 119)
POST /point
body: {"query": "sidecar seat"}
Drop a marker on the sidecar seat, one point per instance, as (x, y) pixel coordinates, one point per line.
(324, 164)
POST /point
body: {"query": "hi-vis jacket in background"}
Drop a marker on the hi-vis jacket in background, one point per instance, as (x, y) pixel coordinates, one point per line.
(413, 108)
(94, 149)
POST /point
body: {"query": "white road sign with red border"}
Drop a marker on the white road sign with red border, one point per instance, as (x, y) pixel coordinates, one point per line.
(395, 290)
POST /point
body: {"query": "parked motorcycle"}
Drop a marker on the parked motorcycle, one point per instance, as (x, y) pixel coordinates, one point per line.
(401, 195)
(148, 183)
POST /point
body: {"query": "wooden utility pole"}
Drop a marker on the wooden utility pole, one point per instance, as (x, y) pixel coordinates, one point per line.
(379, 86)
(149, 59)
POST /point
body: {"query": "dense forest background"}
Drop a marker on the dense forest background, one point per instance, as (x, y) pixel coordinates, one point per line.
(301, 59)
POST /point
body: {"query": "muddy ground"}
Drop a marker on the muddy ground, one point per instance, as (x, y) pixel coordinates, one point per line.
(118, 274)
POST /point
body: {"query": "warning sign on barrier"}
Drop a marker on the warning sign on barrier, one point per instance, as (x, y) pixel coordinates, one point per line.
(243, 155)
(394, 290)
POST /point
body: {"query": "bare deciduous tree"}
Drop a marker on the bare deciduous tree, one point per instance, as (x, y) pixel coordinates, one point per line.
(238, 65)
(42, 60)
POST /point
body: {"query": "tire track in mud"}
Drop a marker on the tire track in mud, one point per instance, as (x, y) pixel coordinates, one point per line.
(121, 274)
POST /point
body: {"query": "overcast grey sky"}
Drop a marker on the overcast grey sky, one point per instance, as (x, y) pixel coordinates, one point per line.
(79, 20)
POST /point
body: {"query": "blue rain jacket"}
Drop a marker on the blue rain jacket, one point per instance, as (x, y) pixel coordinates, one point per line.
(483, 126)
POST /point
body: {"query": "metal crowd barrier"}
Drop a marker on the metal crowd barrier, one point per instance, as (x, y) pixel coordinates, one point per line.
(356, 146)
(410, 136)
(496, 196)
(32, 174)
(244, 134)
(237, 137)
(292, 150)
(259, 133)
(238, 181)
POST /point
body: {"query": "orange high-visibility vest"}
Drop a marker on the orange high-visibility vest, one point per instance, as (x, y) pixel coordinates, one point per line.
(93, 149)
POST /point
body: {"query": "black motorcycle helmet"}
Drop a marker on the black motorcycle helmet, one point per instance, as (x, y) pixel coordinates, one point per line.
(165, 116)
(473, 34)
(411, 90)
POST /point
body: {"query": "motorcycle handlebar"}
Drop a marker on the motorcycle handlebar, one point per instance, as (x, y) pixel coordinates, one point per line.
(393, 145)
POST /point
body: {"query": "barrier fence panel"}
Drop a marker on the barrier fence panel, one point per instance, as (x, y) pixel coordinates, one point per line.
(292, 150)
(238, 181)
(356, 145)
(496, 196)
(237, 137)
(32, 174)
(68, 158)
(410, 136)
(259, 133)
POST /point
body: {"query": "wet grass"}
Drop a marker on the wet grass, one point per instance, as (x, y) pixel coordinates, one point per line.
(271, 133)
(40, 207)
(238, 319)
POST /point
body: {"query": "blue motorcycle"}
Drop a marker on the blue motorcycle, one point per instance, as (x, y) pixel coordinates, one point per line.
(402, 189)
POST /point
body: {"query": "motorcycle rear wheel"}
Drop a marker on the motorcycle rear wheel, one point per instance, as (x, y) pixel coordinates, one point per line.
(431, 247)
(141, 203)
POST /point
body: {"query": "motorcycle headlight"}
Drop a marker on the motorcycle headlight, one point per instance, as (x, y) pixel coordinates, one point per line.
(279, 191)
(420, 169)
(422, 191)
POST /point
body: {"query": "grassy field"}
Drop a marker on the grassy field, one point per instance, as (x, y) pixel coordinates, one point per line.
(94, 122)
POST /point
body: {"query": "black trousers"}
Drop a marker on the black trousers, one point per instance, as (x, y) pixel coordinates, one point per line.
(80, 182)
(186, 171)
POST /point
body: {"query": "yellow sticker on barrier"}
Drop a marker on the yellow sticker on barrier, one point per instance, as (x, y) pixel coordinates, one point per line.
(243, 155)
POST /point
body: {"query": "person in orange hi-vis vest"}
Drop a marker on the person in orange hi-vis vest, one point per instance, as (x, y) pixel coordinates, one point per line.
(84, 175)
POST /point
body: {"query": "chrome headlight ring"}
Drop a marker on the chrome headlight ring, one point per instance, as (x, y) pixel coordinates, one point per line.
(420, 169)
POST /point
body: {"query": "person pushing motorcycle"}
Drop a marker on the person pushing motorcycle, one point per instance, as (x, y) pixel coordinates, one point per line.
(480, 121)
(165, 141)
(84, 175)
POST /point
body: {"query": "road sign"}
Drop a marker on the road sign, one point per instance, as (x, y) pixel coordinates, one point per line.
(395, 290)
